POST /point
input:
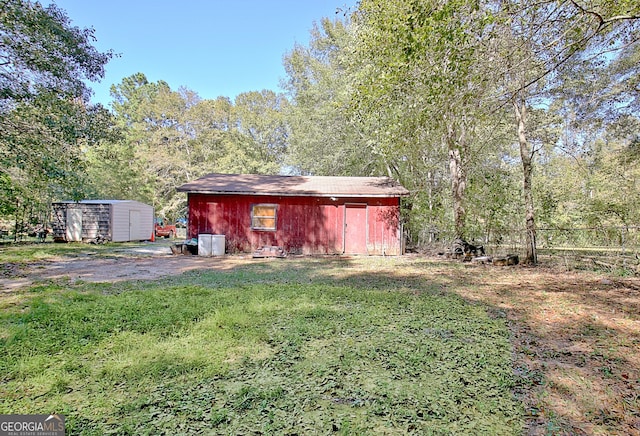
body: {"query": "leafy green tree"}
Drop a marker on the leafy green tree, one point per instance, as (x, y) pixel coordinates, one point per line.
(419, 79)
(323, 140)
(612, 195)
(413, 87)
(537, 45)
(122, 163)
(156, 143)
(42, 151)
(260, 118)
(44, 115)
(41, 50)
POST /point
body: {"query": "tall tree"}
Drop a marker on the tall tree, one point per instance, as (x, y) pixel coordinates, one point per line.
(40, 49)
(419, 77)
(260, 116)
(323, 140)
(44, 110)
(175, 136)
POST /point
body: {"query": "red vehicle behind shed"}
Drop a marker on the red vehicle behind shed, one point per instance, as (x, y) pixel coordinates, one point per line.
(164, 230)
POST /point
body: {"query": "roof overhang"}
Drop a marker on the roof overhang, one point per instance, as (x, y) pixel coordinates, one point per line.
(295, 186)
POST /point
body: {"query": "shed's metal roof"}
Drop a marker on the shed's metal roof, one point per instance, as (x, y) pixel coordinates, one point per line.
(91, 201)
(103, 202)
(308, 186)
(98, 202)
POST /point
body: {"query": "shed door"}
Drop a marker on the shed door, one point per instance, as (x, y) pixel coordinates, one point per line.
(74, 225)
(134, 225)
(355, 229)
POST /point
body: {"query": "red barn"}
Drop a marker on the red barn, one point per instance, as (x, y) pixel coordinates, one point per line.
(303, 215)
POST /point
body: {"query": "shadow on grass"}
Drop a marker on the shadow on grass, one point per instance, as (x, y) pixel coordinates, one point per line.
(577, 339)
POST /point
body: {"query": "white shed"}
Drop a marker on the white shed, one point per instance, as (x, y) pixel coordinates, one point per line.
(111, 220)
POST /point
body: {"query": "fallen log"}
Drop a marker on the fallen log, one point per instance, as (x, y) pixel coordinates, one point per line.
(508, 260)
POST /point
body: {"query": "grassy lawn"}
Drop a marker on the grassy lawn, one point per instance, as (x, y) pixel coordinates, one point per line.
(295, 346)
(33, 252)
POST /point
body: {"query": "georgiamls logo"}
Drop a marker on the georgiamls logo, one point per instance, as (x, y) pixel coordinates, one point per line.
(32, 425)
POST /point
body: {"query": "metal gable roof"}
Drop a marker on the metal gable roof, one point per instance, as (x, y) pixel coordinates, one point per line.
(98, 202)
(316, 186)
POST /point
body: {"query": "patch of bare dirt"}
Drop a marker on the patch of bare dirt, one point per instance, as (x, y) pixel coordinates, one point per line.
(140, 266)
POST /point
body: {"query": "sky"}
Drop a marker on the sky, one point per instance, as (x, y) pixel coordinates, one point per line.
(215, 48)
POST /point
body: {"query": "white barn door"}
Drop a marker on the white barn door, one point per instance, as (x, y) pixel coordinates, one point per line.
(134, 225)
(74, 225)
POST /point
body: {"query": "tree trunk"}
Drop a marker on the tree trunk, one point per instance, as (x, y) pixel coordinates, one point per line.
(526, 154)
(458, 181)
(430, 182)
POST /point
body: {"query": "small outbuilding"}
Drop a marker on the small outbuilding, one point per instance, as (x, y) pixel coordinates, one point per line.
(300, 214)
(108, 220)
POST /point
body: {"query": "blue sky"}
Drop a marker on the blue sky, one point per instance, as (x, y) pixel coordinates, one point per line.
(215, 48)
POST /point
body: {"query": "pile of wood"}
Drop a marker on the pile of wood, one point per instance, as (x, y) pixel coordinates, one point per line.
(461, 249)
(615, 262)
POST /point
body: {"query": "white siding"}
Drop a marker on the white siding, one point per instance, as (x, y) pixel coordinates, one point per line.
(119, 222)
(123, 228)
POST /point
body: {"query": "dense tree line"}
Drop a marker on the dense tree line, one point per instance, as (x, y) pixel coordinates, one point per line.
(497, 115)
(490, 110)
(172, 137)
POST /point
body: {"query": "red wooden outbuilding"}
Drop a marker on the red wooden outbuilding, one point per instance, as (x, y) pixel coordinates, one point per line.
(301, 214)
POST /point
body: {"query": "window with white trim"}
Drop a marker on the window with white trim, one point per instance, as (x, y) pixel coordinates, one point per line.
(263, 216)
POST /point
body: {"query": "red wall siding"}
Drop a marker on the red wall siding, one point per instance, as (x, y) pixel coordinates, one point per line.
(305, 225)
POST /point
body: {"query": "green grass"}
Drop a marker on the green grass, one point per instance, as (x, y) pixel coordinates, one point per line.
(294, 347)
(33, 252)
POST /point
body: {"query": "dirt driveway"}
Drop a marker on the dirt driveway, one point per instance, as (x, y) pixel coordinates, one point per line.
(145, 262)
